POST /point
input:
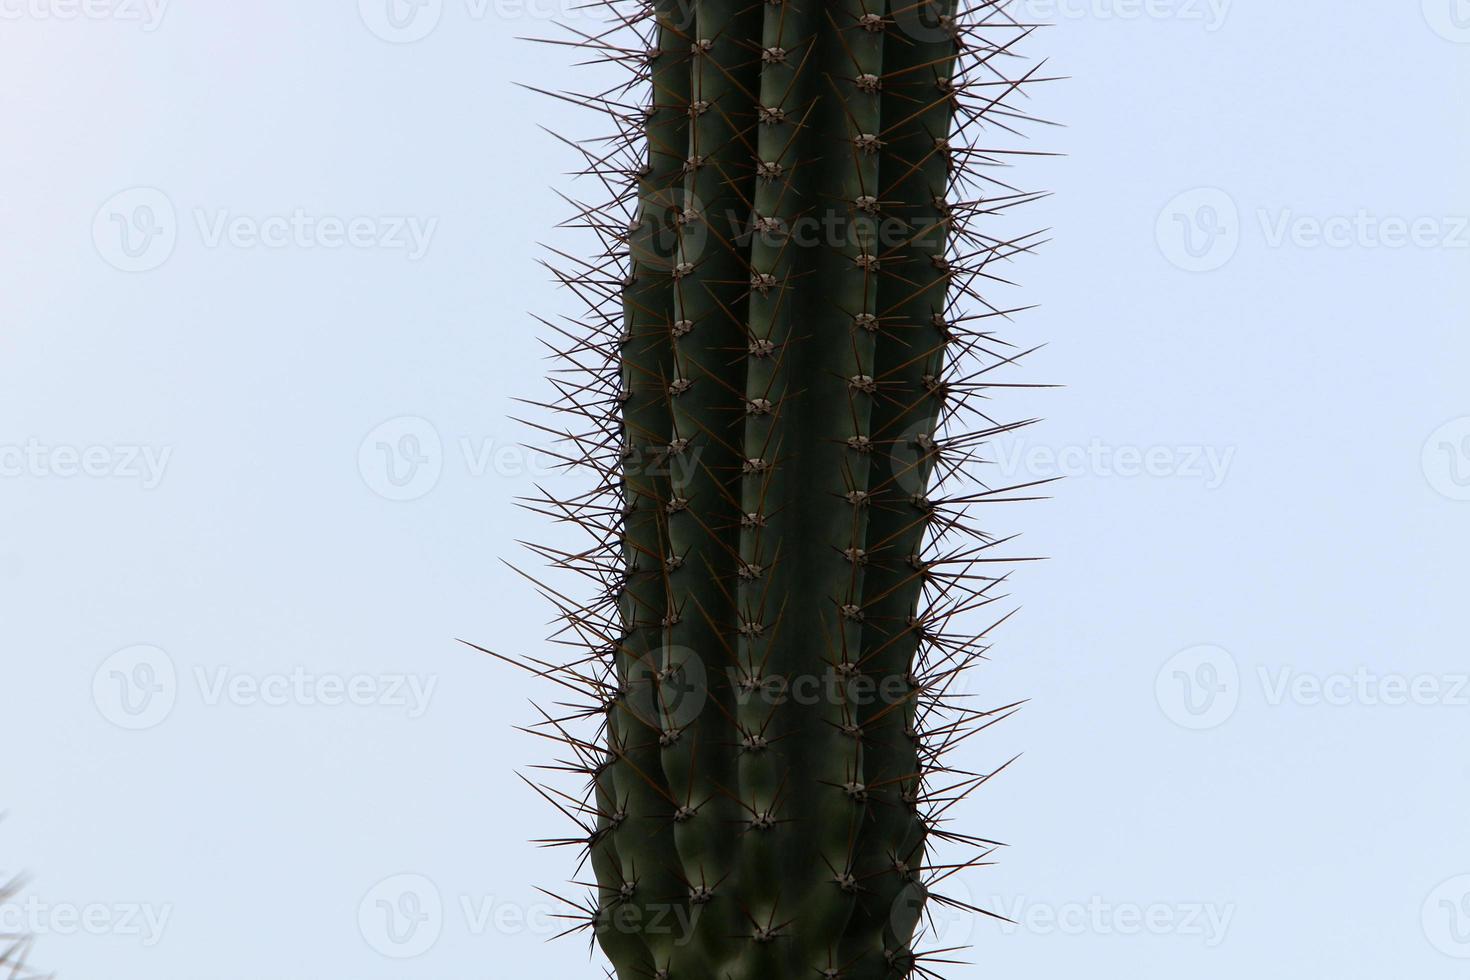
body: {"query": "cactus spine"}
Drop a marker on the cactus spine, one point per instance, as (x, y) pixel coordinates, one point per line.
(14, 946)
(782, 362)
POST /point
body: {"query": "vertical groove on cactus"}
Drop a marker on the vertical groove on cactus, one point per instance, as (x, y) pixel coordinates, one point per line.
(633, 827)
(778, 387)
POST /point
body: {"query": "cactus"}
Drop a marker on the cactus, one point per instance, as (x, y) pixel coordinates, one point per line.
(780, 373)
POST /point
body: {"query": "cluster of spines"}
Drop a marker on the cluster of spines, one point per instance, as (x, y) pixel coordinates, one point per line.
(14, 947)
(784, 435)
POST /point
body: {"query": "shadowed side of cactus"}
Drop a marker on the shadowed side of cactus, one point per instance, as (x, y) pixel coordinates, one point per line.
(779, 384)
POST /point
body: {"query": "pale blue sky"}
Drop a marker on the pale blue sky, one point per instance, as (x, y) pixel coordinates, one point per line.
(254, 457)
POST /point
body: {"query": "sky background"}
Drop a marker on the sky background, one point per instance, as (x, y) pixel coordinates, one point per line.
(255, 485)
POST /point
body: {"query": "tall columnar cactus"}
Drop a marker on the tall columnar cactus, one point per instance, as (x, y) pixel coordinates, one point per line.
(779, 387)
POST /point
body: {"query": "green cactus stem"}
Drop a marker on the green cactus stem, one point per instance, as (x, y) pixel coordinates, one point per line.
(777, 386)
